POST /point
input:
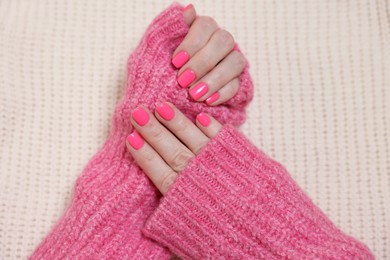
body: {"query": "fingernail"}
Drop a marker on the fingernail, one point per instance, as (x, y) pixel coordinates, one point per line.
(140, 116)
(212, 98)
(165, 111)
(198, 91)
(180, 59)
(186, 78)
(135, 140)
(186, 7)
(203, 119)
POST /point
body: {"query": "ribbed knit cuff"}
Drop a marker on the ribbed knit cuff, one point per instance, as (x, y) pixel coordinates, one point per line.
(236, 202)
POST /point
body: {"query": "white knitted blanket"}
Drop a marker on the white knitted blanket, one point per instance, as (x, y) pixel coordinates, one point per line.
(321, 107)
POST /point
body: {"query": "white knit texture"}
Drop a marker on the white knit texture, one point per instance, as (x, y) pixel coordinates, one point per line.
(322, 90)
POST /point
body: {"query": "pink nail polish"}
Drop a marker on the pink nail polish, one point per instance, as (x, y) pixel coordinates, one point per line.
(203, 119)
(186, 7)
(199, 91)
(186, 78)
(165, 111)
(180, 59)
(140, 116)
(135, 140)
(212, 98)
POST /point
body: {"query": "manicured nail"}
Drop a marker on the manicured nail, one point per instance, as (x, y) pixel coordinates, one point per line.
(165, 111)
(212, 98)
(203, 119)
(186, 78)
(140, 116)
(135, 140)
(186, 7)
(198, 91)
(180, 59)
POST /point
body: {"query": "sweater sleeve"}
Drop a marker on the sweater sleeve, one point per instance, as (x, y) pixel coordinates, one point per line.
(233, 201)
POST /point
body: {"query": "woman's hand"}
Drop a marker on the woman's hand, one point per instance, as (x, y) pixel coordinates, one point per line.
(207, 62)
(165, 142)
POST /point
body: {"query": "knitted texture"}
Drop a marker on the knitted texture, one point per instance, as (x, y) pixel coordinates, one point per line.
(233, 201)
(113, 197)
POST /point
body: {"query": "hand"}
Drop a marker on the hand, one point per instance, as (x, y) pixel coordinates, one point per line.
(165, 142)
(207, 61)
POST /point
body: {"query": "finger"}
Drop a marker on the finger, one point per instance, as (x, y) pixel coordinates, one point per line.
(224, 94)
(189, 14)
(208, 124)
(175, 153)
(197, 37)
(151, 163)
(220, 44)
(181, 127)
(229, 68)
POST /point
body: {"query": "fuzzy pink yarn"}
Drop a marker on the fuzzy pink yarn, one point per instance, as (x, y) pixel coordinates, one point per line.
(113, 197)
(234, 202)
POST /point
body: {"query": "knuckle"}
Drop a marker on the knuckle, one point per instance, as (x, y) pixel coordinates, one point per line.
(200, 146)
(167, 181)
(203, 65)
(232, 88)
(225, 38)
(204, 24)
(180, 160)
(207, 21)
(180, 125)
(233, 91)
(235, 86)
(239, 59)
(155, 132)
(148, 155)
(195, 43)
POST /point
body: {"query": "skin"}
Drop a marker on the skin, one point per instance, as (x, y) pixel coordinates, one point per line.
(212, 57)
(170, 145)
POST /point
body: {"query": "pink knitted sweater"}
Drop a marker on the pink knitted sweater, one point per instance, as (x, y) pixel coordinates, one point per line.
(112, 197)
(232, 201)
